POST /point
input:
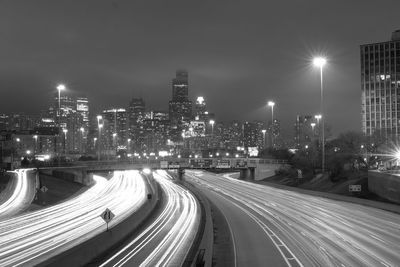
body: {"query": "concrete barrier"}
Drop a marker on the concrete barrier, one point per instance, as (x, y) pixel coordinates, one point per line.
(385, 185)
(87, 252)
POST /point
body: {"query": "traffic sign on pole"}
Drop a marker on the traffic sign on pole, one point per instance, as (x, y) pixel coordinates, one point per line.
(107, 216)
(44, 189)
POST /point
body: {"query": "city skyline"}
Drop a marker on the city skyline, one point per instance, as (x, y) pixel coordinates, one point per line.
(241, 56)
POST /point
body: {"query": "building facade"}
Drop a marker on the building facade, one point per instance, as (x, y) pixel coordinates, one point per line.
(180, 107)
(380, 88)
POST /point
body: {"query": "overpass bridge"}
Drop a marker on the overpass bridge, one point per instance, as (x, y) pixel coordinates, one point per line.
(249, 168)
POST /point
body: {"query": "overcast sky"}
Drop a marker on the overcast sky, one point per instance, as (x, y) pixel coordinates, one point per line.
(239, 54)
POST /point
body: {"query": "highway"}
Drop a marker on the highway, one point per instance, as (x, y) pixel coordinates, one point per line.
(18, 195)
(275, 227)
(167, 240)
(29, 239)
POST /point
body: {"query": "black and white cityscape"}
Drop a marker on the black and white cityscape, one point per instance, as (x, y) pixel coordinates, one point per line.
(187, 133)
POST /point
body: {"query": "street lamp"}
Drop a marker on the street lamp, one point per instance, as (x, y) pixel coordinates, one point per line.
(312, 128)
(272, 104)
(320, 63)
(114, 135)
(82, 137)
(65, 131)
(60, 88)
(99, 125)
(263, 132)
(212, 126)
(35, 137)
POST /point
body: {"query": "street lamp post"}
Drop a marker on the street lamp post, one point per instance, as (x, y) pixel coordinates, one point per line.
(60, 88)
(82, 137)
(312, 128)
(99, 117)
(35, 149)
(320, 62)
(65, 131)
(212, 126)
(272, 104)
(263, 132)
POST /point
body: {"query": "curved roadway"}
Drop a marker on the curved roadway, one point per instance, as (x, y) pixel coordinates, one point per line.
(275, 227)
(167, 240)
(18, 194)
(37, 236)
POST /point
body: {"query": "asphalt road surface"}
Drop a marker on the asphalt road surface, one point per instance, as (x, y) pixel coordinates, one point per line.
(275, 227)
(34, 237)
(167, 240)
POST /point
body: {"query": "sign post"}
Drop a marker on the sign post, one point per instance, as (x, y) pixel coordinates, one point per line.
(107, 216)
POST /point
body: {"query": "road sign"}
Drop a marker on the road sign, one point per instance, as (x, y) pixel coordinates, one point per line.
(107, 216)
(299, 174)
(173, 165)
(164, 164)
(44, 189)
(354, 188)
(200, 163)
(223, 164)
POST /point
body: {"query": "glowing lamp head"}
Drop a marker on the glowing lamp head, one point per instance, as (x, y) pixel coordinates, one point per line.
(318, 117)
(82, 129)
(60, 87)
(271, 103)
(264, 131)
(319, 62)
(212, 122)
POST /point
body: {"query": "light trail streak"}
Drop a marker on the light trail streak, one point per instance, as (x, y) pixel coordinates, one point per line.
(167, 240)
(318, 231)
(32, 238)
(20, 196)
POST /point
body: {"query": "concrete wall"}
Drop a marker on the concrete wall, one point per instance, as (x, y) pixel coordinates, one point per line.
(385, 185)
(263, 171)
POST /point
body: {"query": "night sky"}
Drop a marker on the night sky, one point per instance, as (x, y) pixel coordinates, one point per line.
(239, 54)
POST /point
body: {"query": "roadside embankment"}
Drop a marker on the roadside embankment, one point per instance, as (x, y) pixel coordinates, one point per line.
(376, 204)
(53, 190)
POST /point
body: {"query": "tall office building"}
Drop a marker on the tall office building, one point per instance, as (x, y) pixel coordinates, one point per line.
(180, 107)
(136, 115)
(380, 88)
(82, 107)
(114, 128)
(252, 134)
(303, 131)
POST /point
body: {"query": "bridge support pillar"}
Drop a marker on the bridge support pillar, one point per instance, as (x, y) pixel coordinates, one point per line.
(243, 174)
(252, 172)
(181, 172)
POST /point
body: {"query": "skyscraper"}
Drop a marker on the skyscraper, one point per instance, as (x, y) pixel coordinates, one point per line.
(82, 107)
(180, 107)
(380, 88)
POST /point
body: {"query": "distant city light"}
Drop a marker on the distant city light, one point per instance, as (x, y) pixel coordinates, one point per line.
(200, 100)
(146, 171)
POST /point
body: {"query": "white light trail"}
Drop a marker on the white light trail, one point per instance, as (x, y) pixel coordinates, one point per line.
(168, 239)
(34, 237)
